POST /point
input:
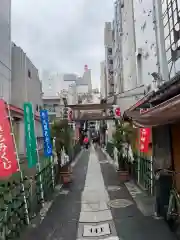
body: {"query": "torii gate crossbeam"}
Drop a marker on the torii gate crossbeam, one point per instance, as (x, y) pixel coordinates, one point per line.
(91, 106)
(93, 118)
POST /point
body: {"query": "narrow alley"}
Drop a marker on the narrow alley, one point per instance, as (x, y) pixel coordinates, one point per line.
(96, 206)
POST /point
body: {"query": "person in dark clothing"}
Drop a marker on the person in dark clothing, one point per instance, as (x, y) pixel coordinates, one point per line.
(86, 142)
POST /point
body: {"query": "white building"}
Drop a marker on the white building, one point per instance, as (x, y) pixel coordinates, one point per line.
(26, 85)
(72, 97)
(117, 48)
(139, 51)
(103, 80)
(87, 79)
(5, 50)
(55, 84)
(54, 105)
(108, 43)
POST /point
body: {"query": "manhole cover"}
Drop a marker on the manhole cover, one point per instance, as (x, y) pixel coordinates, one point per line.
(113, 188)
(97, 230)
(120, 203)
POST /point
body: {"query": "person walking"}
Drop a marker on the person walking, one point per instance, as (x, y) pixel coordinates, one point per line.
(86, 142)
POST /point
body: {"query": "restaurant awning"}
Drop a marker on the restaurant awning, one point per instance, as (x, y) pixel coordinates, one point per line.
(162, 114)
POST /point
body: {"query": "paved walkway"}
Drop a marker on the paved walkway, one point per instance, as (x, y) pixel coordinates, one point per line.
(96, 206)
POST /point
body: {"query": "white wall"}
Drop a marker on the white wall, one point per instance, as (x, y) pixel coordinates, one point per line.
(87, 79)
(5, 49)
(72, 94)
(145, 41)
(128, 43)
(82, 89)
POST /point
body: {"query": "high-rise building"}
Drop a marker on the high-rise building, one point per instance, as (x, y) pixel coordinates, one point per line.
(5, 50)
(103, 80)
(135, 50)
(108, 43)
(117, 47)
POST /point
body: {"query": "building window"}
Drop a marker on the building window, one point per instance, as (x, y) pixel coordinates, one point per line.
(110, 51)
(29, 74)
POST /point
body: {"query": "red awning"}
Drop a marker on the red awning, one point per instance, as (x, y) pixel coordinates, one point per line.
(162, 114)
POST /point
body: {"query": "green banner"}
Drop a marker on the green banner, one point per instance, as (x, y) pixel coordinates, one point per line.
(31, 148)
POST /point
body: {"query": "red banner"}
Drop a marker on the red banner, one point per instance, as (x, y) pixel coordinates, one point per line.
(8, 160)
(144, 139)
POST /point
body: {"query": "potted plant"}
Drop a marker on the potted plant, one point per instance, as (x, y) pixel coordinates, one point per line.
(62, 133)
(121, 139)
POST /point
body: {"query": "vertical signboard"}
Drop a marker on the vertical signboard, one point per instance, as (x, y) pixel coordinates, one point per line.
(30, 137)
(8, 160)
(144, 139)
(46, 133)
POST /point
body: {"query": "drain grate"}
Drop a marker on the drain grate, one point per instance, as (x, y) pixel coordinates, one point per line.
(96, 230)
(120, 203)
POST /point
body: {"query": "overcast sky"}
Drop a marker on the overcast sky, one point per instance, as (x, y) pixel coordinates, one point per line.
(62, 35)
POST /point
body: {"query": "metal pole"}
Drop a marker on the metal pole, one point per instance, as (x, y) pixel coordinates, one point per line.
(39, 171)
(52, 170)
(151, 161)
(139, 160)
(19, 166)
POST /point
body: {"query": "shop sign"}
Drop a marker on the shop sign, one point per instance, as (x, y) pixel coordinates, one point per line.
(144, 139)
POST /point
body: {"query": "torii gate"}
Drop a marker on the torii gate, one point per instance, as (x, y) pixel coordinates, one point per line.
(78, 115)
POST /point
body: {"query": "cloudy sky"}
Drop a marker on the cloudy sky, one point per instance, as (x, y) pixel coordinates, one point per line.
(62, 35)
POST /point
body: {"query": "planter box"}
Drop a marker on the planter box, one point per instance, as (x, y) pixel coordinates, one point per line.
(123, 175)
(66, 174)
(66, 178)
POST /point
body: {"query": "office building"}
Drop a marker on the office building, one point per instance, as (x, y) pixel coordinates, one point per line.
(5, 50)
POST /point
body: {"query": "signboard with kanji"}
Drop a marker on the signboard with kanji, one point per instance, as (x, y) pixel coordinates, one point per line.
(144, 139)
(8, 159)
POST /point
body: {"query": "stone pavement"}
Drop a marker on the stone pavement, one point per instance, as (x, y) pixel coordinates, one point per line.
(96, 206)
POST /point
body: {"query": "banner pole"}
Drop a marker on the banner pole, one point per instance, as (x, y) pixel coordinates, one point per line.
(52, 171)
(48, 149)
(19, 166)
(39, 171)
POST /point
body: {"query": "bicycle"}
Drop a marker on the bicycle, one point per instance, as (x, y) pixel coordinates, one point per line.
(173, 208)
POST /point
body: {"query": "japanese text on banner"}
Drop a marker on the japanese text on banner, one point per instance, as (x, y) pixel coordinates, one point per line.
(144, 139)
(8, 160)
(46, 133)
(31, 148)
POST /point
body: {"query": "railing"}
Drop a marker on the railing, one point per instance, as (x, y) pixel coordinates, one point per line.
(13, 215)
(140, 169)
(144, 173)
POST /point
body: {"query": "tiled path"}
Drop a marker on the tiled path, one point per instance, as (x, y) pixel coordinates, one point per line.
(96, 206)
